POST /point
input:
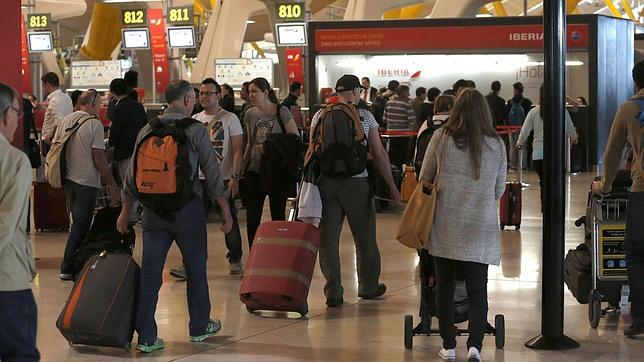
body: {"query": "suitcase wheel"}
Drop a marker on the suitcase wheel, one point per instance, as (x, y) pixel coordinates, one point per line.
(128, 347)
(594, 309)
(502, 227)
(517, 227)
(249, 309)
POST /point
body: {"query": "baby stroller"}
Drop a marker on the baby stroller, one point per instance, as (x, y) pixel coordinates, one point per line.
(596, 271)
(428, 308)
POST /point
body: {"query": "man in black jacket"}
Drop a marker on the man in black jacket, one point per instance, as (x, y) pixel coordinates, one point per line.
(128, 117)
(295, 90)
(497, 104)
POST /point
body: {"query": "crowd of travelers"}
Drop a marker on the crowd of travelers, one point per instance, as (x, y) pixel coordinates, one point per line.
(452, 131)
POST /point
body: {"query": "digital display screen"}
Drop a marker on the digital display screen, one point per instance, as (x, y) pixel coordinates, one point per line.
(291, 34)
(40, 41)
(181, 37)
(136, 39)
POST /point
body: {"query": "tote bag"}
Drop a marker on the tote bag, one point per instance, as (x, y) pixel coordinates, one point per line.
(417, 220)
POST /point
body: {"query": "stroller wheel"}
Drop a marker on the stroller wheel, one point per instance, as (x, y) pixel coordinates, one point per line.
(499, 335)
(409, 331)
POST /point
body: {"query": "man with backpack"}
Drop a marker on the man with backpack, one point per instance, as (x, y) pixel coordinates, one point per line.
(341, 136)
(628, 129)
(82, 138)
(163, 176)
(517, 109)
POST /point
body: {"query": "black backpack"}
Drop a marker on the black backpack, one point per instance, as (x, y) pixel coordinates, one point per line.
(421, 144)
(162, 172)
(378, 105)
(340, 142)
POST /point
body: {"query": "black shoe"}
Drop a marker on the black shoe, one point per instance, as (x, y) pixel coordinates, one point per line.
(633, 330)
(379, 292)
(334, 302)
(65, 276)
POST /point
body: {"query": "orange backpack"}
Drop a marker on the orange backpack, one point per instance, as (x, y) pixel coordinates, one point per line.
(162, 171)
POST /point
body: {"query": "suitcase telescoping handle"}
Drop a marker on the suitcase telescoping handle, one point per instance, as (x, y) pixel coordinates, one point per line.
(520, 166)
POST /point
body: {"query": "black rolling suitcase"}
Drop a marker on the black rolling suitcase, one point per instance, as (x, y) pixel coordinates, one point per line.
(578, 274)
(100, 310)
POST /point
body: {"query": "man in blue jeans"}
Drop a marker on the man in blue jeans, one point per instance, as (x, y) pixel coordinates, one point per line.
(18, 313)
(85, 166)
(187, 226)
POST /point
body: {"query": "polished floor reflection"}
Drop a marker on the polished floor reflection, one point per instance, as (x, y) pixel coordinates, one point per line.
(360, 330)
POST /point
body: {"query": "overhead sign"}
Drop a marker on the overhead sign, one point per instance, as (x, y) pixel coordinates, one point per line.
(39, 21)
(442, 38)
(95, 73)
(134, 17)
(294, 65)
(180, 15)
(40, 41)
(237, 71)
(181, 37)
(290, 11)
(291, 34)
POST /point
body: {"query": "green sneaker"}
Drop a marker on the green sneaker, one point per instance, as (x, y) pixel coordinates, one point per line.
(214, 326)
(149, 347)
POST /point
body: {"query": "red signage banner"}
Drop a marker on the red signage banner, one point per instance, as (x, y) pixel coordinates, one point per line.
(294, 65)
(159, 49)
(26, 70)
(442, 38)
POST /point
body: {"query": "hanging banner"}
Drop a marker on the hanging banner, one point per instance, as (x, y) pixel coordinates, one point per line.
(26, 70)
(295, 65)
(159, 49)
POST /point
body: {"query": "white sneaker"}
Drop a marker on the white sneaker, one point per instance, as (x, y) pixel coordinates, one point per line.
(236, 268)
(473, 355)
(447, 354)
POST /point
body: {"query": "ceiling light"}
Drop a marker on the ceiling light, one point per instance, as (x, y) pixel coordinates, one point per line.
(250, 21)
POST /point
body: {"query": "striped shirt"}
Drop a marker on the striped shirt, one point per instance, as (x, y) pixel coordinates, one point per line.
(399, 115)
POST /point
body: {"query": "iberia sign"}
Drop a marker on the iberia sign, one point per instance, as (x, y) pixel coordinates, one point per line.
(442, 38)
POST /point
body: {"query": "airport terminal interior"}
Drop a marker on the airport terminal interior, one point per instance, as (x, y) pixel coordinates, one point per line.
(421, 44)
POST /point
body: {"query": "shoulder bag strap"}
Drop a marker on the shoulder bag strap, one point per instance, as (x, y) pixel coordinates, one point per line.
(279, 117)
(440, 164)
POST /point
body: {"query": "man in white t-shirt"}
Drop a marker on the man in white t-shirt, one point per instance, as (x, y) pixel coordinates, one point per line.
(59, 105)
(85, 166)
(227, 136)
(351, 197)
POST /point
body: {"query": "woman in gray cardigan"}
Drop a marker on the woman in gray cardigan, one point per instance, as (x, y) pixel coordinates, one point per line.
(465, 236)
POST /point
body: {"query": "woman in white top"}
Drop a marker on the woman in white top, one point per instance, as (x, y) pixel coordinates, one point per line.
(534, 122)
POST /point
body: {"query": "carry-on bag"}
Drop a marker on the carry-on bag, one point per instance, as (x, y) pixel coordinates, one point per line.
(100, 310)
(510, 206)
(578, 273)
(50, 208)
(280, 266)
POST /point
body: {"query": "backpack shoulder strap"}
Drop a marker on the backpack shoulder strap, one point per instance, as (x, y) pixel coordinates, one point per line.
(74, 127)
(186, 122)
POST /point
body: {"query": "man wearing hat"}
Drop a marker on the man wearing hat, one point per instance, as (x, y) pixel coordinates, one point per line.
(351, 197)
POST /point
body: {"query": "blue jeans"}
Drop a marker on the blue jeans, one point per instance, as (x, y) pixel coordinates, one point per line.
(82, 202)
(18, 325)
(233, 238)
(188, 229)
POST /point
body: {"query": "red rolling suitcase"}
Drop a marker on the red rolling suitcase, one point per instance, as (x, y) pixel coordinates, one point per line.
(510, 207)
(50, 208)
(100, 310)
(280, 267)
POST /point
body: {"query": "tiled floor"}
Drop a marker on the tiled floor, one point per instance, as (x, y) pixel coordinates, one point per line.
(360, 330)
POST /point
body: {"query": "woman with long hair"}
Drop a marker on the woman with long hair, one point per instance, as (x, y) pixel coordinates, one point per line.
(534, 122)
(465, 235)
(266, 117)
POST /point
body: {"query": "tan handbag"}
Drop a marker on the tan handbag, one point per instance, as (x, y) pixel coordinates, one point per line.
(417, 220)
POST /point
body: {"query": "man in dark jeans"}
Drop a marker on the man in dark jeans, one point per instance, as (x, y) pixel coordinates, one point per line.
(85, 167)
(18, 311)
(628, 128)
(186, 227)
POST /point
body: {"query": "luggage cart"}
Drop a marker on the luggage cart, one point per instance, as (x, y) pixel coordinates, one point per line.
(607, 231)
(428, 309)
